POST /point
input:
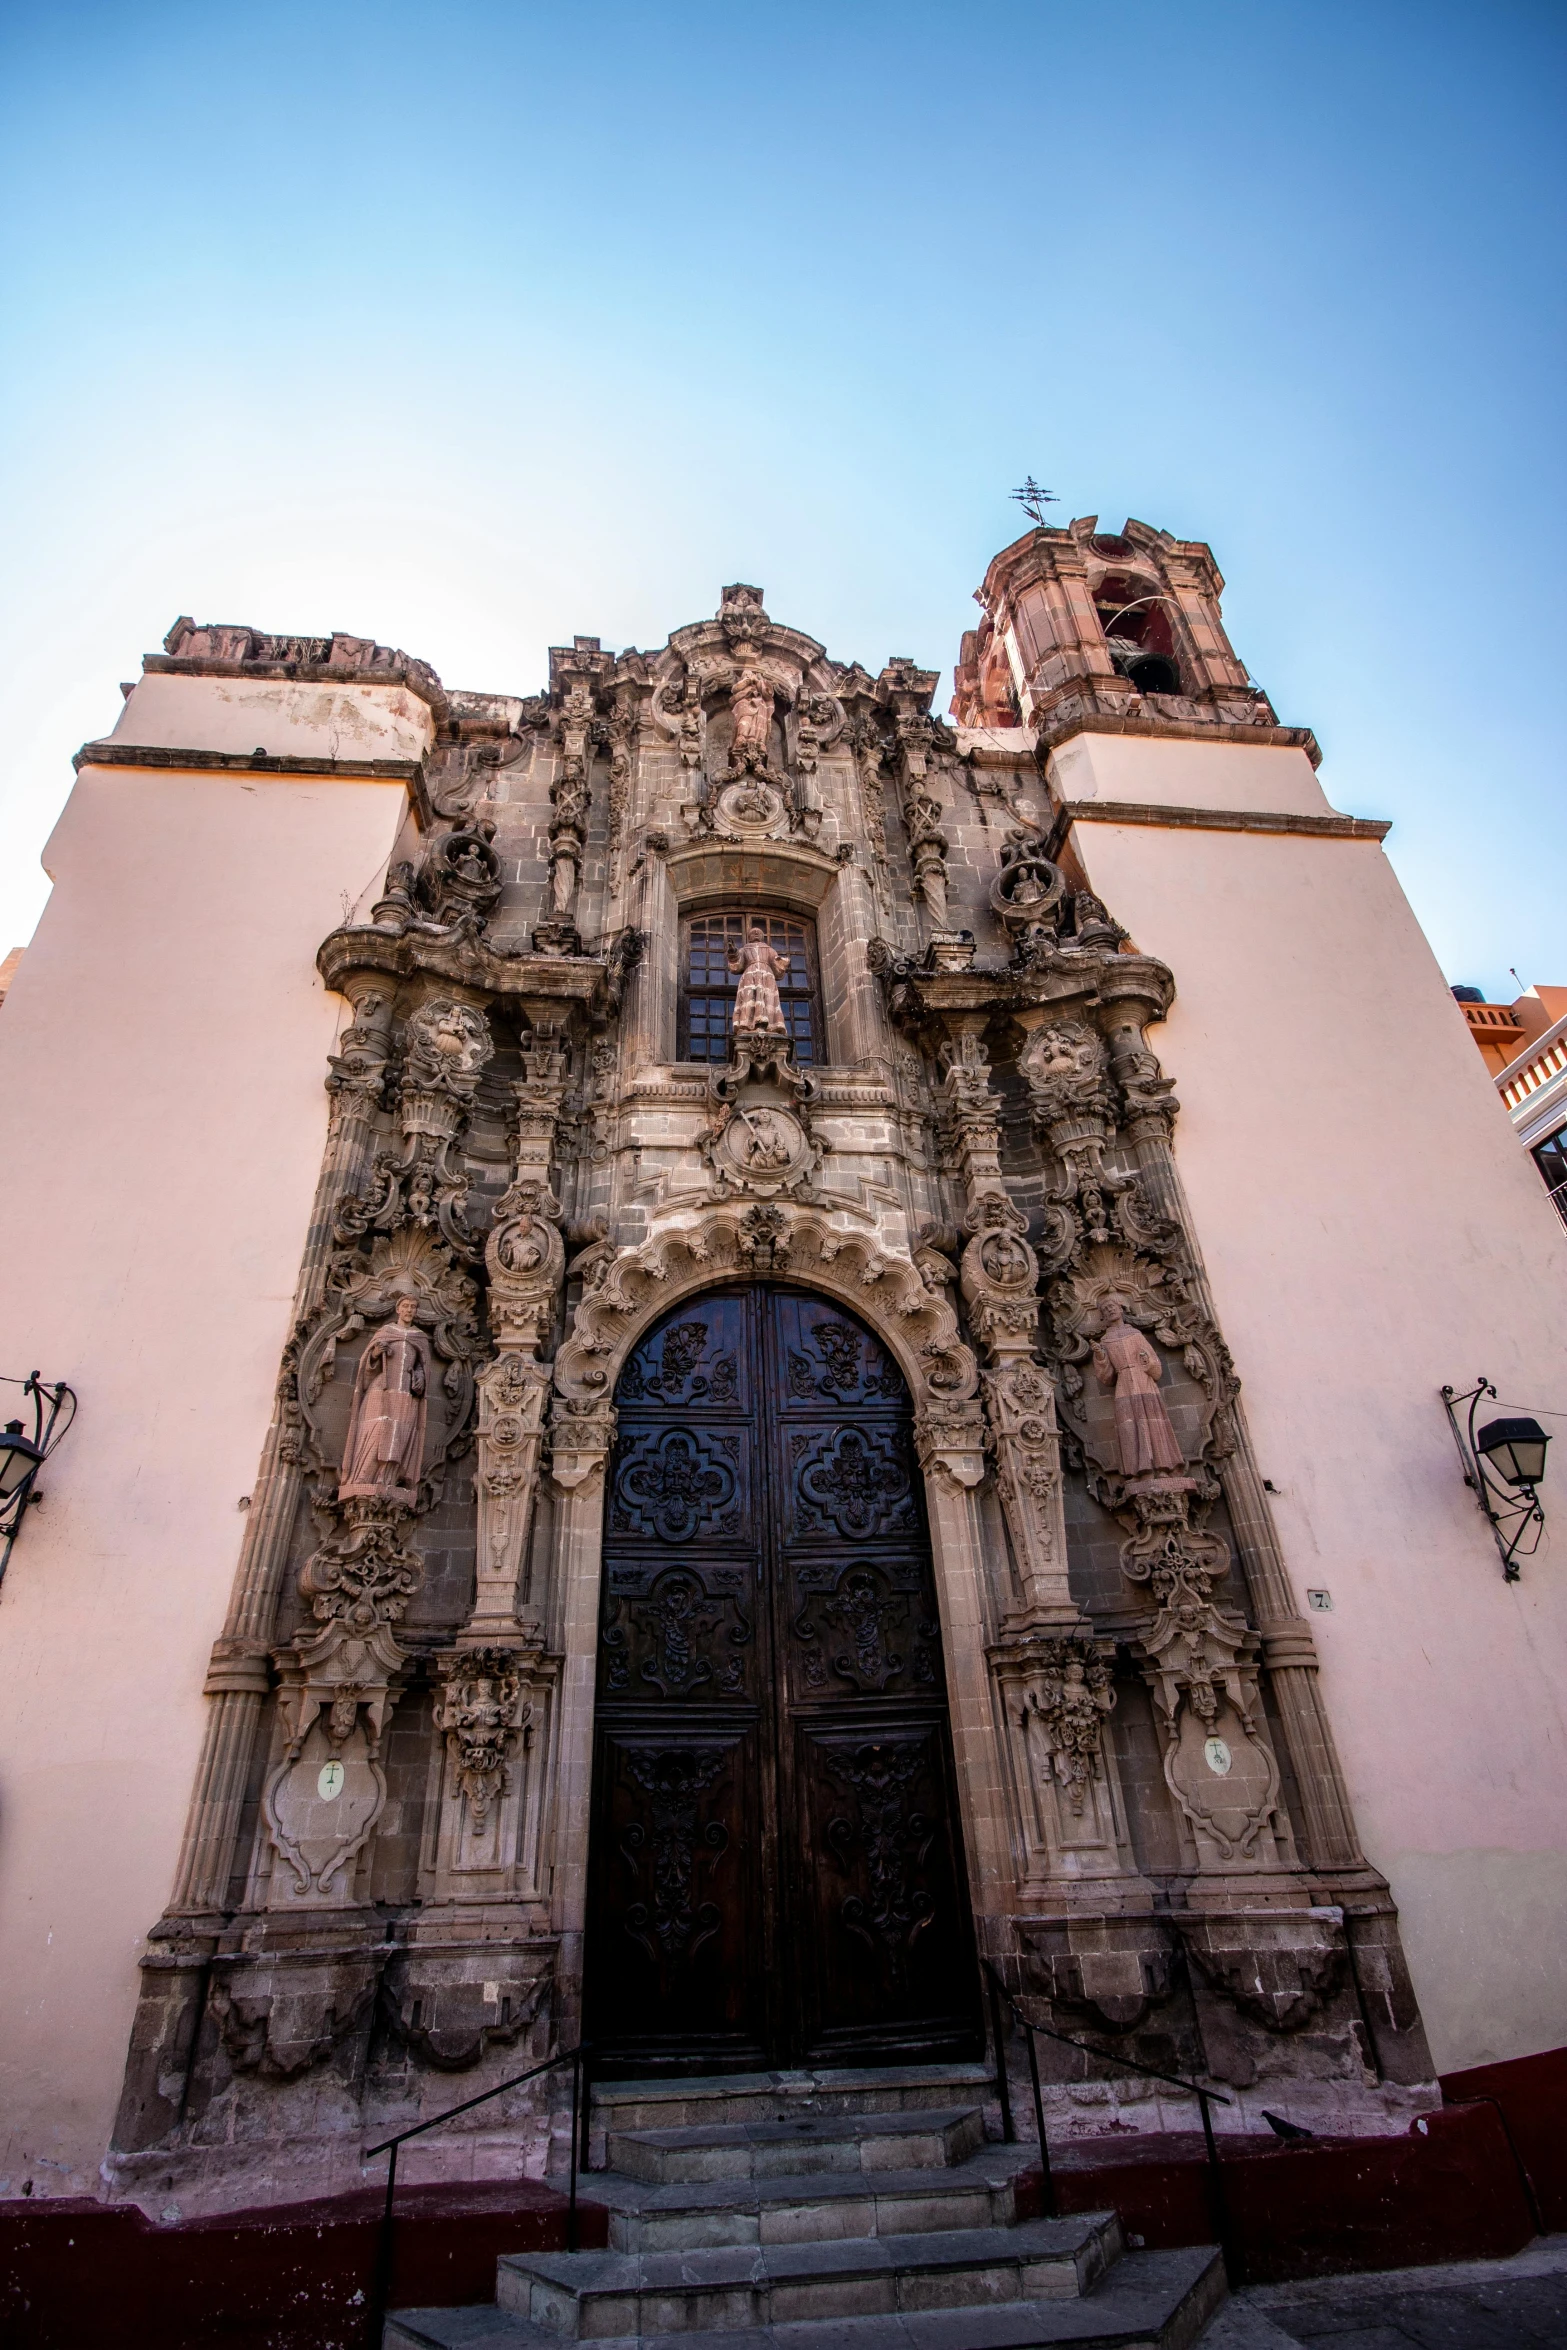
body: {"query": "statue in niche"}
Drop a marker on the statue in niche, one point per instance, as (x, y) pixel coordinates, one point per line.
(751, 708)
(385, 1447)
(758, 1004)
(1124, 1360)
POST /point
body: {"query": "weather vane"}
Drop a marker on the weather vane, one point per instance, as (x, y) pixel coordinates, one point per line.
(1034, 500)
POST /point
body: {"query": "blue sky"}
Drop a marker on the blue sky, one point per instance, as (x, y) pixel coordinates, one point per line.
(475, 327)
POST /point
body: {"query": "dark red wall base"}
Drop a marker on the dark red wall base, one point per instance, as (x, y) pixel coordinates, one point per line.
(292, 2278)
(1532, 2093)
(295, 2277)
(1447, 2191)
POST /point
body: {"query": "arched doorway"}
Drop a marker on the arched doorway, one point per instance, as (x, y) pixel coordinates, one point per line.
(775, 1870)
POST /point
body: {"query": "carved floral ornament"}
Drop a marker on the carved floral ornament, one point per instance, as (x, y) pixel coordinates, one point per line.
(626, 1291)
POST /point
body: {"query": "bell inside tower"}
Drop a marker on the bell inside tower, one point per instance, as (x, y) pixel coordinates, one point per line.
(1138, 634)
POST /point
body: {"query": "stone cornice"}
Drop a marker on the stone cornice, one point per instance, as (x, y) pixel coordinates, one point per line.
(1070, 812)
(712, 864)
(465, 960)
(1267, 738)
(1087, 979)
(161, 755)
(415, 676)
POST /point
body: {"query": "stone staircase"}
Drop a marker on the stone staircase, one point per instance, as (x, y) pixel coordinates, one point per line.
(825, 2211)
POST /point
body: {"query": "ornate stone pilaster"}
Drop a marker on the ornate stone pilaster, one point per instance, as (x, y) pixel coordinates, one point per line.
(496, 1697)
(1000, 1281)
(905, 692)
(239, 1675)
(575, 677)
(582, 1435)
(1051, 1677)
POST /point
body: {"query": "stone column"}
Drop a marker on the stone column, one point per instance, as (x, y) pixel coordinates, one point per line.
(582, 1436)
(1051, 1676)
(480, 1960)
(951, 1452)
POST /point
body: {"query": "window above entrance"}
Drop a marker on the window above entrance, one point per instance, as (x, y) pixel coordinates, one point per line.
(708, 986)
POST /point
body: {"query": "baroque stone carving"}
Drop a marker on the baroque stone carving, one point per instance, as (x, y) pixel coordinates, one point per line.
(1124, 1360)
(447, 1047)
(479, 1708)
(385, 1448)
(1069, 1693)
(461, 878)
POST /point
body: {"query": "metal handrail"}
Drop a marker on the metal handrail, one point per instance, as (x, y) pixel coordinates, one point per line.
(1530, 2196)
(381, 2278)
(1221, 2217)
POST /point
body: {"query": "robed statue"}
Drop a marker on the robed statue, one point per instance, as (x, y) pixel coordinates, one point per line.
(757, 1002)
(385, 1447)
(751, 710)
(1124, 1360)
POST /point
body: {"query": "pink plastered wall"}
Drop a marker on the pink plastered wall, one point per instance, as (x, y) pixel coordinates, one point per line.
(162, 1118)
(1372, 1229)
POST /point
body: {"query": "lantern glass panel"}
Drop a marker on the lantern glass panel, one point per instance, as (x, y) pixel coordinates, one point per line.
(19, 1456)
(1515, 1449)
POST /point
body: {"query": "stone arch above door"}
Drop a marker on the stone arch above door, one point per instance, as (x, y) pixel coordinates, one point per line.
(626, 1289)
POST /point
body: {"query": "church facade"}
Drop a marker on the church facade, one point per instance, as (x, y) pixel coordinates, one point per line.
(746, 1455)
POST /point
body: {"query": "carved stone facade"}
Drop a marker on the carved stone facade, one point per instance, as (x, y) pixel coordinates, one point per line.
(386, 1871)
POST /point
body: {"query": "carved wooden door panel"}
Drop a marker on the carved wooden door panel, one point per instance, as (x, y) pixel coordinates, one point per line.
(776, 1876)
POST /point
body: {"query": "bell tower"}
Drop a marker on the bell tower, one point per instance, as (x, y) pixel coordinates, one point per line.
(1108, 632)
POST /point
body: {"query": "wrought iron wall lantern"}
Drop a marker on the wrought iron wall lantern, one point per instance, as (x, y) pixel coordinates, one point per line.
(22, 1456)
(1503, 1462)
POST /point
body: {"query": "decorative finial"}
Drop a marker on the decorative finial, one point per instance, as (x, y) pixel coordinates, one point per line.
(1034, 500)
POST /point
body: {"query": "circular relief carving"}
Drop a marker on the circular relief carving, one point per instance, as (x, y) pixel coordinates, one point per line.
(1028, 889)
(1006, 1262)
(750, 806)
(762, 1147)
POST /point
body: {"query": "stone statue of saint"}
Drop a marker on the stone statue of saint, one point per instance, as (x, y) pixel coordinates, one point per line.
(751, 708)
(385, 1447)
(1124, 1360)
(767, 1145)
(757, 1004)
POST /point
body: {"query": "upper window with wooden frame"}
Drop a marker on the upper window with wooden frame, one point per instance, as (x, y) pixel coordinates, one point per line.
(708, 986)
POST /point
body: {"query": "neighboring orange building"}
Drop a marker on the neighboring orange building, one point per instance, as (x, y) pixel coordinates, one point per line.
(1503, 1031)
(1524, 1045)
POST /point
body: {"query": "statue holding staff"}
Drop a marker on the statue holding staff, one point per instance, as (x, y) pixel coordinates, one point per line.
(385, 1447)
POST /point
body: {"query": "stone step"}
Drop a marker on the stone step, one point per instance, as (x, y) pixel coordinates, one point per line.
(1149, 2301)
(799, 2147)
(816, 2208)
(746, 2097)
(588, 2296)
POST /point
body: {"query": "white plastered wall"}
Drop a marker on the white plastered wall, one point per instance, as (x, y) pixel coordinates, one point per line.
(1372, 1229)
(241, 715)
(162, 1118)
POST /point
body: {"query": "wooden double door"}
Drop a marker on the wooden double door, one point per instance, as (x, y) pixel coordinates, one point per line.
(776, 1871)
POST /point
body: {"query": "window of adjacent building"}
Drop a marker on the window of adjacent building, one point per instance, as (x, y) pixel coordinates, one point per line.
(708, 986)
(1550, 1157)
